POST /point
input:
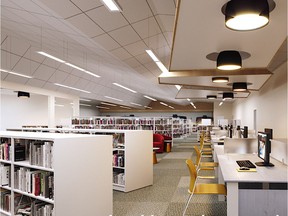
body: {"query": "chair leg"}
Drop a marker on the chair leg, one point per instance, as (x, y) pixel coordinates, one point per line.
(187, 203)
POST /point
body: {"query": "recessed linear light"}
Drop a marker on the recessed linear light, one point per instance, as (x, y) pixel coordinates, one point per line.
(178, 87)
(163, 103)
(192, 103)
(135, 104)
(171, 107)
(87, 105)
(125, 107)
(108, 104)
(81, 69)
(188, 99)
(148, 107)
(112, 5)
(152, 55)
(51, 57)
(101, 107)
(220, 104)
(121, 86)
(82, 99)
(150, 98)
(69, 87)
(113, 98)
(162, 67)
(59, 105)
(14, 73)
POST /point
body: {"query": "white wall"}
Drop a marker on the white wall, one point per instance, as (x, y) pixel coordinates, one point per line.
(224, 111)
(270, 103)
(89, 111)
(16, 112)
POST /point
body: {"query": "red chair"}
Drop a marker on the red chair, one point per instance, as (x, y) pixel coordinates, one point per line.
(158, 142)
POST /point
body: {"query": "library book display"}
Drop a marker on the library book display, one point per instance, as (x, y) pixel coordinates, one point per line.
(63, 174)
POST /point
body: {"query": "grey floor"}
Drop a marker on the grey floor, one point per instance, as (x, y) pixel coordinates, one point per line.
(168, 194)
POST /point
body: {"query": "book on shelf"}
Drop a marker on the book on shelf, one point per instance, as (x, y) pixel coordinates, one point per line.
(5, 151)
(5, 175)
(40, 153)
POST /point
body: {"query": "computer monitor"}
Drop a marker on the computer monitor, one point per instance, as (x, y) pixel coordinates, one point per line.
(270, 132)
(264, 149)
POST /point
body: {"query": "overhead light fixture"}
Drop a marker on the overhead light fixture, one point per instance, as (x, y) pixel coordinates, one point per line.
(121, 86)
(157, 61)
(239, 86)
(150, 98)
(220, 104)
(171, 107)
(188, 99)
(178, 87)
(101, 107)
(220, 79)
(112, 5)
(148, 107)
(135, 104)
(22, 94)
(164, 104)
(192, 104)
(245, 15)
(229, 60)
(50, 56)
(228, 95)
(82, 99)
(69, 87)
(125, 107)
(152, 55)
(113, 98)
(17, 74)
(211, 97)
(59, 105)
(108, 104)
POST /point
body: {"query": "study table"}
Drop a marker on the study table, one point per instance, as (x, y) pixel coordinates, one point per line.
(259, 193)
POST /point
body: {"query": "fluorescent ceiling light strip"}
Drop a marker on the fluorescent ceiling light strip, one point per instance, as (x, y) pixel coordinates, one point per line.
(188, 99)
(108, 104)
(88, 105)
(17, 74)
(150, 98)
(192, 103)
(101, 107)
(178, 87)
(51, 57)
(74, 66)
(112, 5)
(152, 55)
(69, 87)
(220, 104)
(90, 73)
(171, 107)
(148, 107)
(136, 104)
(113, 98)
(125, 107)
(162, 67)
(82, 99)
(163, 103)
(121, 86)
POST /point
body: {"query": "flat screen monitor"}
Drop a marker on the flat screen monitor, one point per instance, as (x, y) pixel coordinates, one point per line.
(264, 149)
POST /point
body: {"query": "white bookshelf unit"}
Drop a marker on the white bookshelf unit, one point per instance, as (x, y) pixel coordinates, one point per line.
(70, 177)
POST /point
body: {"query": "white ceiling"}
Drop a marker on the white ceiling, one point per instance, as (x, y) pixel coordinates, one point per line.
(112, 45)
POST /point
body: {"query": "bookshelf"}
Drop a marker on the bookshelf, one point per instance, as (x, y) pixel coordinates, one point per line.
(41, 177)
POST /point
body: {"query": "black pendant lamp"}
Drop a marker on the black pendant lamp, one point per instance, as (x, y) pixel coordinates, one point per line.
(245, 15)
(220, 79)
(22, 94)
(228, 95)
(239, 86)
(229, 60)
(211, 97)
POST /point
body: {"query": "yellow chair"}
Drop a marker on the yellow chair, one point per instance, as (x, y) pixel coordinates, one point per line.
(207, 152)
(199, 188)
(203, 165)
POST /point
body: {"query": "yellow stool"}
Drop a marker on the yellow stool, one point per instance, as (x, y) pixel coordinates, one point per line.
(154, 156)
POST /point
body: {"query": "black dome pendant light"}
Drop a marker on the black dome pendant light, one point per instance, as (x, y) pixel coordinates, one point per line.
(245, 15)
(239, 86)
(229, 60)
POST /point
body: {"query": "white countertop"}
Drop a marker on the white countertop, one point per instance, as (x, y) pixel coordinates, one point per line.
(228, 165)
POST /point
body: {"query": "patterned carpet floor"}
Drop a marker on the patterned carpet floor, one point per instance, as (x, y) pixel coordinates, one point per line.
(168, 194)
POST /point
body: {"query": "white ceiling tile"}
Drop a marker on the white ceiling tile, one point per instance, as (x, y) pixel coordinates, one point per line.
(163, 52)
(87, 4)
(8, 60)
(136, 48)
(71, 80)
(156, 42)
(58, 77)
(64, 68)
(44, 72)
(132, 62)
(121, 53)
(26, 67)
(82, 84)
(86, 25)
(166, 22)
(51, 63)
(36, 83)
(125, 35)
(144, 58)
(141, 69)
(64, 9)
(50, 86)
(162, 6)
(132, 14)
(10, 4)
(147, 28)
(106, 42)
(107, 20)
(16, 79)
(169, 37)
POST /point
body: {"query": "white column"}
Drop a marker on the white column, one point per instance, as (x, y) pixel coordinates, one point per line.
(76, 109)
(51, 111)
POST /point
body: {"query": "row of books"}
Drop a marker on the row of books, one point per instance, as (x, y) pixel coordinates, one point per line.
(118, 138)
(118, 160)
(36, 208)
(40, 154)
(5, 200)
(118, 178)
(5, 175)
(5, 153)
(38, 183)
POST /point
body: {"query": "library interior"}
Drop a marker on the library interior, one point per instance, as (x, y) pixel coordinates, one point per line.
(143, 108)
